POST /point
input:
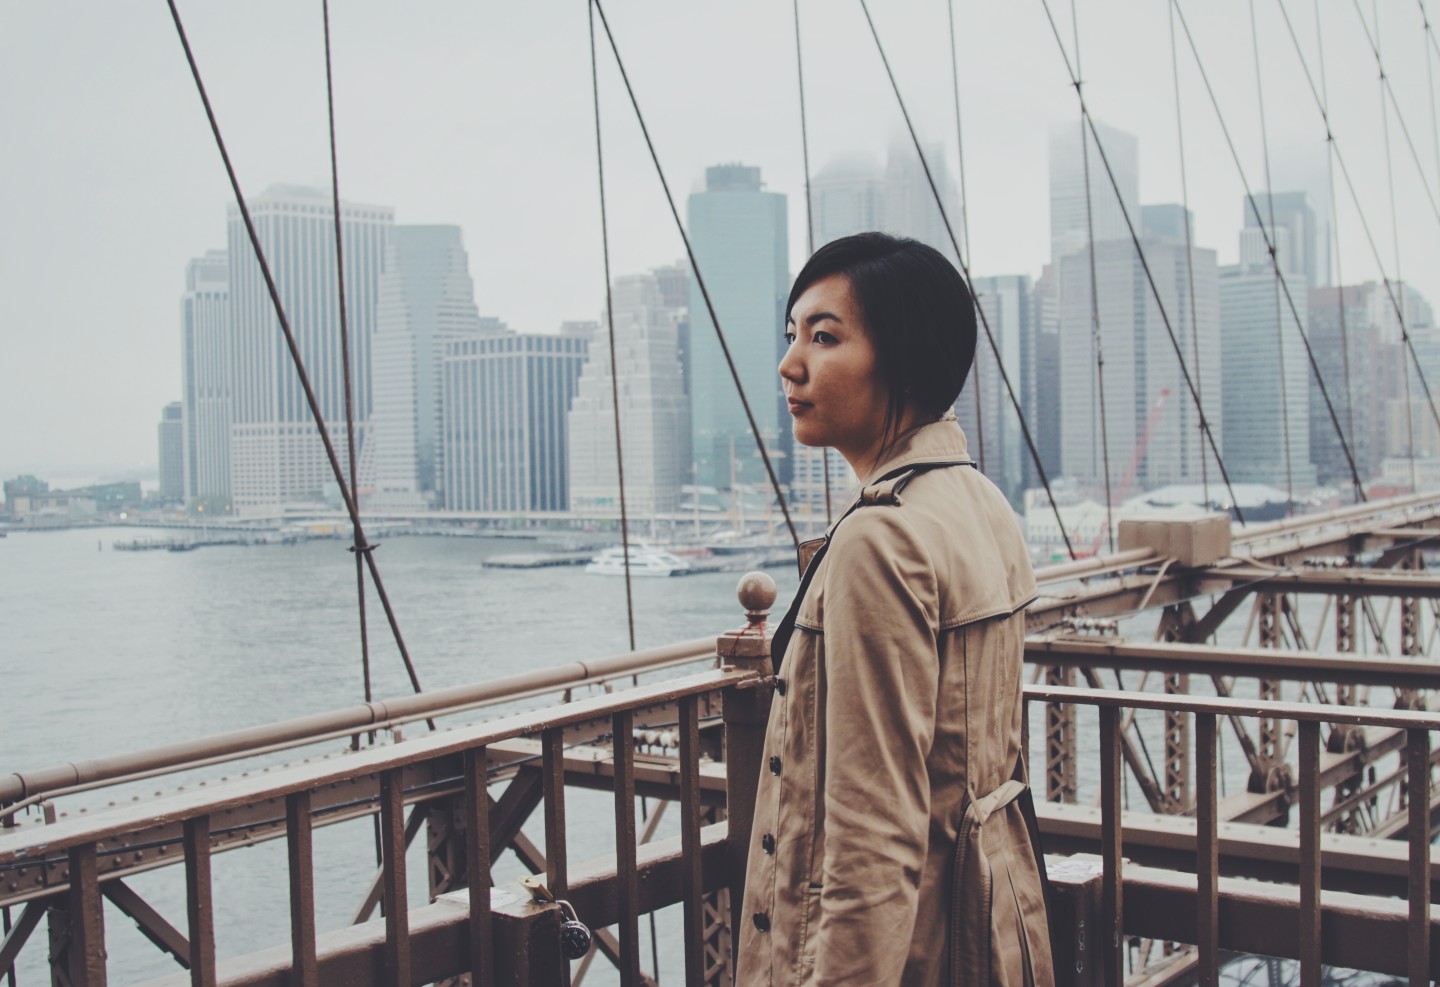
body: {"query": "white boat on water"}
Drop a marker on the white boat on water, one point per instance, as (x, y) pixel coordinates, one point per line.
(645, 560)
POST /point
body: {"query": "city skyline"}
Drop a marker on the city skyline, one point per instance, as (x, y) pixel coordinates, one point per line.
(483, 119)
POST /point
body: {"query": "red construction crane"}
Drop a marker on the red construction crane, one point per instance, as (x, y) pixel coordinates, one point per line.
(1135, 460)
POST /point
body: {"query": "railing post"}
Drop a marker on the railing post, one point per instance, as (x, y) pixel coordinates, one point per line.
(746, 713)
(1077, 919)
(1417, 768)
(77, 929)
(1112, 930)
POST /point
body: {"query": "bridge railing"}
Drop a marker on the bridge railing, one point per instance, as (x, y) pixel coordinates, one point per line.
(1214, 913)
(513, 942)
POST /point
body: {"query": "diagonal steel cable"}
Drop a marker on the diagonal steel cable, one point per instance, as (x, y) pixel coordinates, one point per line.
(1279, 315)
(1189, 248)
(610, 324)
(346, 493)
(969, 281)
(1359, 211)
(1145, 265)
(1096, 337)
(1394, 215)
(699, 279)
(809, 222)
(359, 546)
(965, 217)
(1274, 257)
(1324, 96)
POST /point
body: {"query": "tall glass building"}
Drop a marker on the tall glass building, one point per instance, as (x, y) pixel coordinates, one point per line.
(1265, 380)
(426, 301)
(205, 371)
(741, 242)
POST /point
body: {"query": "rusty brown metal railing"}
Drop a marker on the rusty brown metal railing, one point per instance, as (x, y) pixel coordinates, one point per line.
(1219, 913)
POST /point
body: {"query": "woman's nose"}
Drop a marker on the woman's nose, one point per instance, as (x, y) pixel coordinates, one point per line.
(790, 365)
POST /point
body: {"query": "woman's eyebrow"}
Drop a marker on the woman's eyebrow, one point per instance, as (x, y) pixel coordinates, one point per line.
(818, 317)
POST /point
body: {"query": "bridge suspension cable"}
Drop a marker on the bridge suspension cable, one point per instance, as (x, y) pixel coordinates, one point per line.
(1189, 247)
(1394, 214)
(1096, 337)
(1271, 240)
(809, 222)
(1387, 96)
(965, 270)
(1335, 229)
(1145, 265)
(965, 221)
(699, 278)
(347, 494)
(1395, 302)
(1274, 257)
(359, 546)
(610, 326)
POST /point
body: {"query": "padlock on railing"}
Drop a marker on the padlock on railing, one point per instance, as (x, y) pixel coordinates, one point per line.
(575, 936)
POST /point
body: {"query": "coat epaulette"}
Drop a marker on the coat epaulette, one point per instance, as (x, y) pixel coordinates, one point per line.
(887, 491)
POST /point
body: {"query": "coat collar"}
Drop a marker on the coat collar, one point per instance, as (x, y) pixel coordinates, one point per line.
(941, 441)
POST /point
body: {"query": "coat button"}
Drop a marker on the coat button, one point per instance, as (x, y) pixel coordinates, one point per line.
(780, 686)
(762, 921)
(774, 764)
(767, 843)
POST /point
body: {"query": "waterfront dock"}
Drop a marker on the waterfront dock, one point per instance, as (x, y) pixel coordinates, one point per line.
(538, 560)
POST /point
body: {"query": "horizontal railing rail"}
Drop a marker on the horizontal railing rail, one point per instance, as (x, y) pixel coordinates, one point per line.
(81, 841)
(25, 787)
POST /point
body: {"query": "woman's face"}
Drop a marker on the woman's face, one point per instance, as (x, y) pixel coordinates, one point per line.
(831, 375)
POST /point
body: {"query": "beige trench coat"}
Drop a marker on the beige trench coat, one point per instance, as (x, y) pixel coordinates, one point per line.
(898, 696)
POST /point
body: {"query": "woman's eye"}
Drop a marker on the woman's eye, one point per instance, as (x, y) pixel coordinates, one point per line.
(789, 338)
(821, 336)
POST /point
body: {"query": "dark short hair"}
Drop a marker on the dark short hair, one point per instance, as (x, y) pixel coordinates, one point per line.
(917, 310)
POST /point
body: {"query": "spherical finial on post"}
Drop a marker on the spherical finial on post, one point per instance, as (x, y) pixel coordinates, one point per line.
(756, 592)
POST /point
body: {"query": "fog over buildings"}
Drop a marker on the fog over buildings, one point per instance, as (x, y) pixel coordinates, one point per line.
(481, 121)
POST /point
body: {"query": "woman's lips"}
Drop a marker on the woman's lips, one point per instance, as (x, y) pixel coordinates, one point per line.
(796, 406)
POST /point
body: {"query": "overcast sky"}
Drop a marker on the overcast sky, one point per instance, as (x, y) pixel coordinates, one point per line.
(480, 114)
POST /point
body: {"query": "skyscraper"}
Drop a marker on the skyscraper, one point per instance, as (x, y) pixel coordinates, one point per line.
(995, 435)
(426, 301)
(206, 366)
(171, 436)
(1300, 249)
(847, 196)
(654, 415)
(275, 450)
(1265, 389)
(505, 396)
(1069, 225)
(1360, 374)
(910, 208)
(1040, 387)
(741, 244)
(1140, 364)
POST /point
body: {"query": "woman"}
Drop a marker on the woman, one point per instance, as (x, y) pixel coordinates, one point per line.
(889, 846)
